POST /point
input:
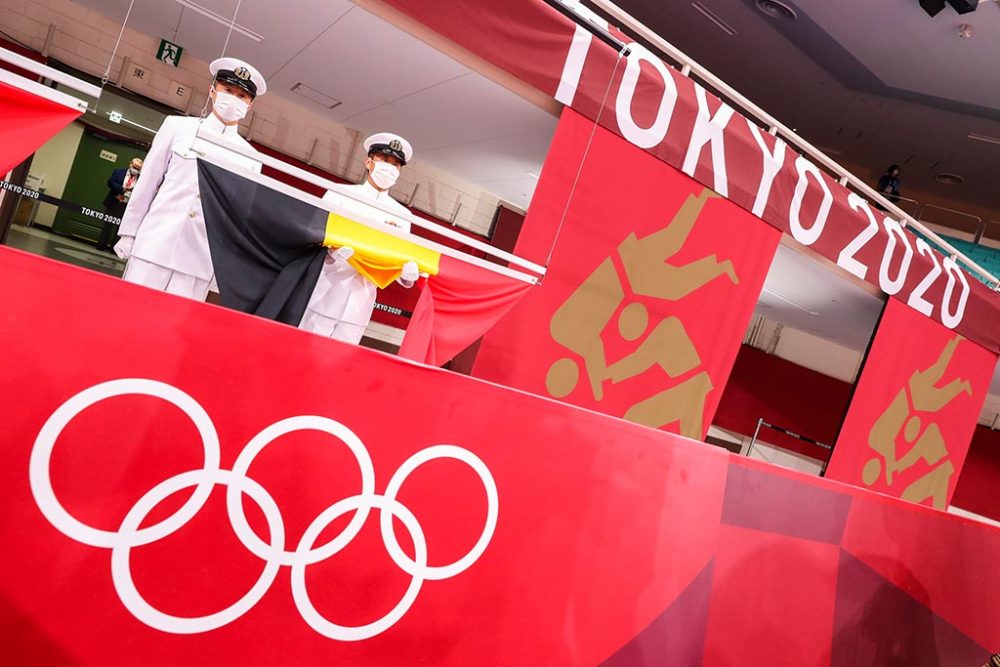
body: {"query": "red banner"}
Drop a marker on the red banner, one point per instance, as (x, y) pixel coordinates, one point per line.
(912, 417)
(221, 489)
(28, 122)
(650, 289)
(661, 111)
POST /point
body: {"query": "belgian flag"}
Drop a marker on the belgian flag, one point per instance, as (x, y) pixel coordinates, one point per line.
(268, 249)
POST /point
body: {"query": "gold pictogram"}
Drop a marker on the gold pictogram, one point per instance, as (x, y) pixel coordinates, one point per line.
(901, 419)
(579, 323)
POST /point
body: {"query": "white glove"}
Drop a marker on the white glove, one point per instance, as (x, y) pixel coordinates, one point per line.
(124, 247)
(411, 272)
(344, 253)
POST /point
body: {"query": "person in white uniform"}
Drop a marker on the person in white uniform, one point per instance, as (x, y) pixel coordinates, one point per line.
(162, 232)
(341, 305)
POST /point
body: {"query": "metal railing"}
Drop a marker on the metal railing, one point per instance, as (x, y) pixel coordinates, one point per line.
(689, 67)
(762, 423)
(414, 220)
(35, 67)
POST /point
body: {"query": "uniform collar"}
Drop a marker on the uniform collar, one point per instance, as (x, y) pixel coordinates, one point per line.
(213, 124)
(371, 191)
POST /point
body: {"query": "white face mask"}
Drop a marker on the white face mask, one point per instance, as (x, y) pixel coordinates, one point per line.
(385, 175)
(229, 108)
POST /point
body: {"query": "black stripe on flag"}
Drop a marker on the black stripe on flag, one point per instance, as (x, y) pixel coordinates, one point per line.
(266, 246)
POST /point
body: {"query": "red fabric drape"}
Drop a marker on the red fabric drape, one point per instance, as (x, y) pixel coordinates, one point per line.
(28, 121)
(456, 307)
(911, 420)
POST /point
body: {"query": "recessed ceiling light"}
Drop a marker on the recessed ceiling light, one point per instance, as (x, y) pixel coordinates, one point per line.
(774, 9)
(316, 96)
(949, 179)
(220, 19)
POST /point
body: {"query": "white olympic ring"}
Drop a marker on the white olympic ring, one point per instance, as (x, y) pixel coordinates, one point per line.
(237, 482)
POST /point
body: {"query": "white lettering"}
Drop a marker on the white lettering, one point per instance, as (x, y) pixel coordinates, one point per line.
(807, 237)
(917, 301)
(846, 258)
(890, 285)
(772, 165)
(644, 137)
(573, 68)
(948, 318)
(709, 129)
(578, 50)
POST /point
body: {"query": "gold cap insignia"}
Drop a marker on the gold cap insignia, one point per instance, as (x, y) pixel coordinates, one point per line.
(242, 73)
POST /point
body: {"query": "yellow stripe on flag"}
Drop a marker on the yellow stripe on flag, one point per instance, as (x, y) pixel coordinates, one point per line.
(378, 256)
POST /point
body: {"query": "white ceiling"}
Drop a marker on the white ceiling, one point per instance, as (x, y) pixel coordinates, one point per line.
(907, 49)
(806, 294)
(801, 293)
(873, 83)
(385, 79)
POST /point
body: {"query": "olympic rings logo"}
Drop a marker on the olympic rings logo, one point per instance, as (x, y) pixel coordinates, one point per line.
(274, 554)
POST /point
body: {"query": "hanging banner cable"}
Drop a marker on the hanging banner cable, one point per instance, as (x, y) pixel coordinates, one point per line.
(114, 52)
(583, 160)
(416, 221)
(225, 47)
(118, 42)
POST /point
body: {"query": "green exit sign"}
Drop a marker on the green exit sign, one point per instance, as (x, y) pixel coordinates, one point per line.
(169, 53)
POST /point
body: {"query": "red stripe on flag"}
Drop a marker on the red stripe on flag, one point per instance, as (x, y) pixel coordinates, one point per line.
(456, 308)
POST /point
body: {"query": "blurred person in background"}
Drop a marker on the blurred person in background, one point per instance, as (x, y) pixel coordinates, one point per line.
(120, 187)
(888, 185)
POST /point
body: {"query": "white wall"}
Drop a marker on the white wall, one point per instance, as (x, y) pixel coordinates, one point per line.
(763, 451)
(85, 39)
(818, 354)
(53, 162)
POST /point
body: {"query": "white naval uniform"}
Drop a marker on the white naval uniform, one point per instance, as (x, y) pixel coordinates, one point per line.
(164, 213)
(341, 305)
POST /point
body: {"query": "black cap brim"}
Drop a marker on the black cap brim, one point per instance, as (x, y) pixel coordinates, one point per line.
(385, 149)
(227, 76)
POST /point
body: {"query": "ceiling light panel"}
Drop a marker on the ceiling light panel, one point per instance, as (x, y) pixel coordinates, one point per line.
(316, 96)
(221, 20)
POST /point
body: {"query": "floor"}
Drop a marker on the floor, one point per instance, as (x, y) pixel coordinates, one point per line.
(40, 241)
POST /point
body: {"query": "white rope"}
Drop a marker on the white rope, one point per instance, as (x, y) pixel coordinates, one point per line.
(225, 47)
(114, 51)
(583, 161)
(232, 26)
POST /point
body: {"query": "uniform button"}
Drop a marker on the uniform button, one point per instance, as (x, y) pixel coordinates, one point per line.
(191, 214)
